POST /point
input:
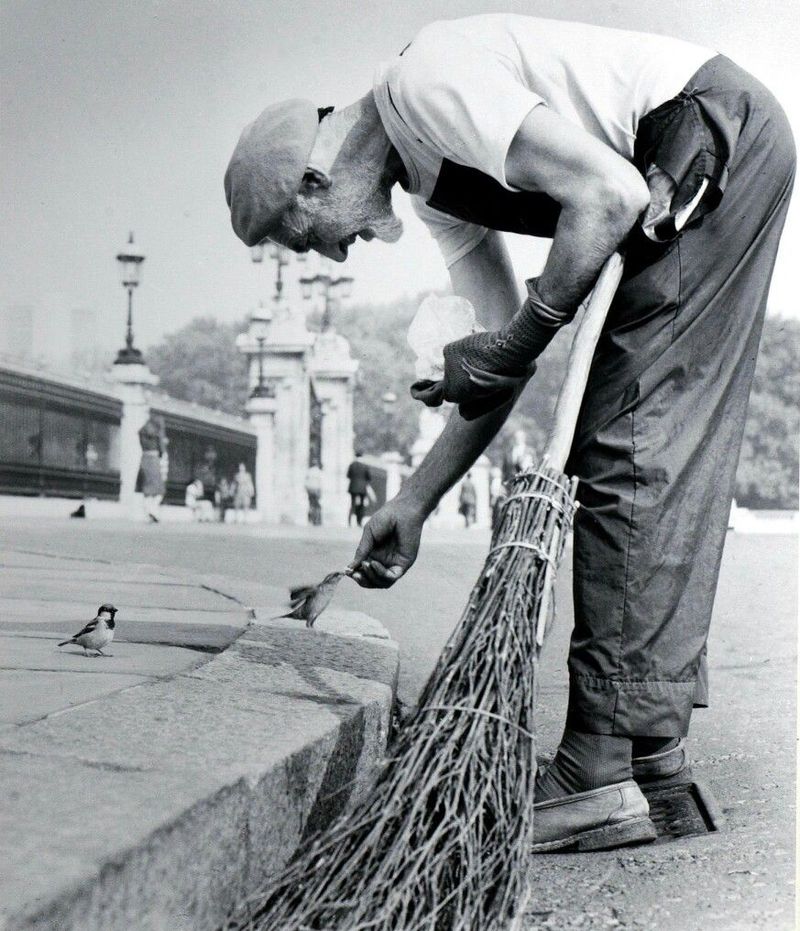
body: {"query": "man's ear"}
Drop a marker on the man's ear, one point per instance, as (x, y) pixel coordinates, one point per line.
(314, 180)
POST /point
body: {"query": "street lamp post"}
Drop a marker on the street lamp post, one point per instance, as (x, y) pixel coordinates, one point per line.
(261, 389)
(280, 255)
(260, 321)
(130, 267)
(332, 289)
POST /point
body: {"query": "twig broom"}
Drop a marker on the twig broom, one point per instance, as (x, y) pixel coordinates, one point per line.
(442, 841)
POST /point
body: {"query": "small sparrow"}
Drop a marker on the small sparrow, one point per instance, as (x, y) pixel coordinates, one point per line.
(97, 633)
(309, 601)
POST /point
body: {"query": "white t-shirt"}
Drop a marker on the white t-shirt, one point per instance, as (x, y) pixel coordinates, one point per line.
(461, 90)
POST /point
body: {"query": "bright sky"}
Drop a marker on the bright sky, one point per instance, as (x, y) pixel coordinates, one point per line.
(119, 115)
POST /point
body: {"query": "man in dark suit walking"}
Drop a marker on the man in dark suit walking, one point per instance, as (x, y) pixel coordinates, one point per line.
(359, 478)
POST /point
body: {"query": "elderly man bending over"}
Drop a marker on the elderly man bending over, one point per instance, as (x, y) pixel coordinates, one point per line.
(600, 140)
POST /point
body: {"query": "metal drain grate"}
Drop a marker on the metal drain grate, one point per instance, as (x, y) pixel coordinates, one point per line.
(683, 809)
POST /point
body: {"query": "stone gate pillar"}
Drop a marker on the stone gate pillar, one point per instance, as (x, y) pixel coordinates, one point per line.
(261, 413)
(134, 381)
(333, 371)
(278, 347)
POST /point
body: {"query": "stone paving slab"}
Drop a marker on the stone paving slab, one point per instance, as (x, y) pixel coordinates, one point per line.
(39, 651)
(208, 637)
(311, 648)
(13, 557)
(220, 727)
(76, 569)
(340, 622)
(61, 817)
(268, 600)
(68, 614)
(26, 696)
(140, 594)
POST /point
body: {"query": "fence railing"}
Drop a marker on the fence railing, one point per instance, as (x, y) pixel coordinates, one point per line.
(61, 437)
(57, 439)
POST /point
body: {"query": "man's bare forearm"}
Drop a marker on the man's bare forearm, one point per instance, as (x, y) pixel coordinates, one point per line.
(601, 195)
(581, 246)
(453, 453)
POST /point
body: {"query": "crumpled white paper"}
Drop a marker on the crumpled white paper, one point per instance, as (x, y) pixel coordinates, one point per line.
(438, 321)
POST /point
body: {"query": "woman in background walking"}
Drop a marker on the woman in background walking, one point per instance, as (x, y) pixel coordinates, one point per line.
(153, 440)
(467, 500)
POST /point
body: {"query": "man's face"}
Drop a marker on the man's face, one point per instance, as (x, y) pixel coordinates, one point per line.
(330, 219)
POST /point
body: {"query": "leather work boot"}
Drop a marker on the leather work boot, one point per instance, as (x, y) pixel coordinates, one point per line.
(600, 819)
(668, 764)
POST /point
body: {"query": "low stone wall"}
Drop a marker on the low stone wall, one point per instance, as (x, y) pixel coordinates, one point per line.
(161, 806)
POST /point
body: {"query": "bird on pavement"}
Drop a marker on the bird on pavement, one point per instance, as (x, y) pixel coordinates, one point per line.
(309, 601)
(97, 633)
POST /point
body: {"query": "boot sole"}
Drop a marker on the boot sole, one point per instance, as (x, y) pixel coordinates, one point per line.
(634, 831)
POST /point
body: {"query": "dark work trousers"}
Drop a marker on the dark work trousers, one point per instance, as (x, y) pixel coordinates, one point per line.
(661, 424)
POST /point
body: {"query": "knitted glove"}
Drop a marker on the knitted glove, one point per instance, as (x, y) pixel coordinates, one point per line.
(484, 371)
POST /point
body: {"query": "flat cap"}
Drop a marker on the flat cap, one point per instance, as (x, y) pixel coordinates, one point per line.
(267, 167)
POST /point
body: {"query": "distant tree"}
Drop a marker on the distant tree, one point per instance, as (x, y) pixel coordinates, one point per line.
(534, 410)
(768, 465)
(377, 336)
(200, 362)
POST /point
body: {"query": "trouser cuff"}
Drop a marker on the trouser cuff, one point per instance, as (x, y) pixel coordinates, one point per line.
(630, 708)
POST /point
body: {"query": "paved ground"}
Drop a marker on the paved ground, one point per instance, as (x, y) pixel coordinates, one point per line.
(166, 623)
(743, 747)
(208, 720)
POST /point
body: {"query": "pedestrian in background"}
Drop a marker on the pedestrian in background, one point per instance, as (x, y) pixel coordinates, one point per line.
(467, 500)
(162, 427)
(193, 498)
(496, 494)
(207, 473)
(360, 479)
(314, 492)
(224, 497)
(152, 439)
(244, 492)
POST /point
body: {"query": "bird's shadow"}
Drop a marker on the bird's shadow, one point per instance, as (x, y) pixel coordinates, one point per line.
(85, 654)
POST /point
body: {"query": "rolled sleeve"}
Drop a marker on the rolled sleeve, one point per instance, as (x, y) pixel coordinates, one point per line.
(455, 238)
(462, 100)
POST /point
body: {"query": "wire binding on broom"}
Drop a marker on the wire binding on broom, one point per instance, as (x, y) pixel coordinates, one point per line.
(441, 843)
(527, 494)
(543, 554)
(488, 714)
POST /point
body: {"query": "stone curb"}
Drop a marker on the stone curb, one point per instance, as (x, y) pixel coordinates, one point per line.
(162, 806)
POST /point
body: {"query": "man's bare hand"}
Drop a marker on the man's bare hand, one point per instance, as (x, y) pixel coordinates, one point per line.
(389, 544)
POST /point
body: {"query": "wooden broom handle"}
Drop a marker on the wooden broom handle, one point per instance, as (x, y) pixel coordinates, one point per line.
(570, 396)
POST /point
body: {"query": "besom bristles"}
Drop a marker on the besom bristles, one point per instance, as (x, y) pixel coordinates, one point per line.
(442, 840)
